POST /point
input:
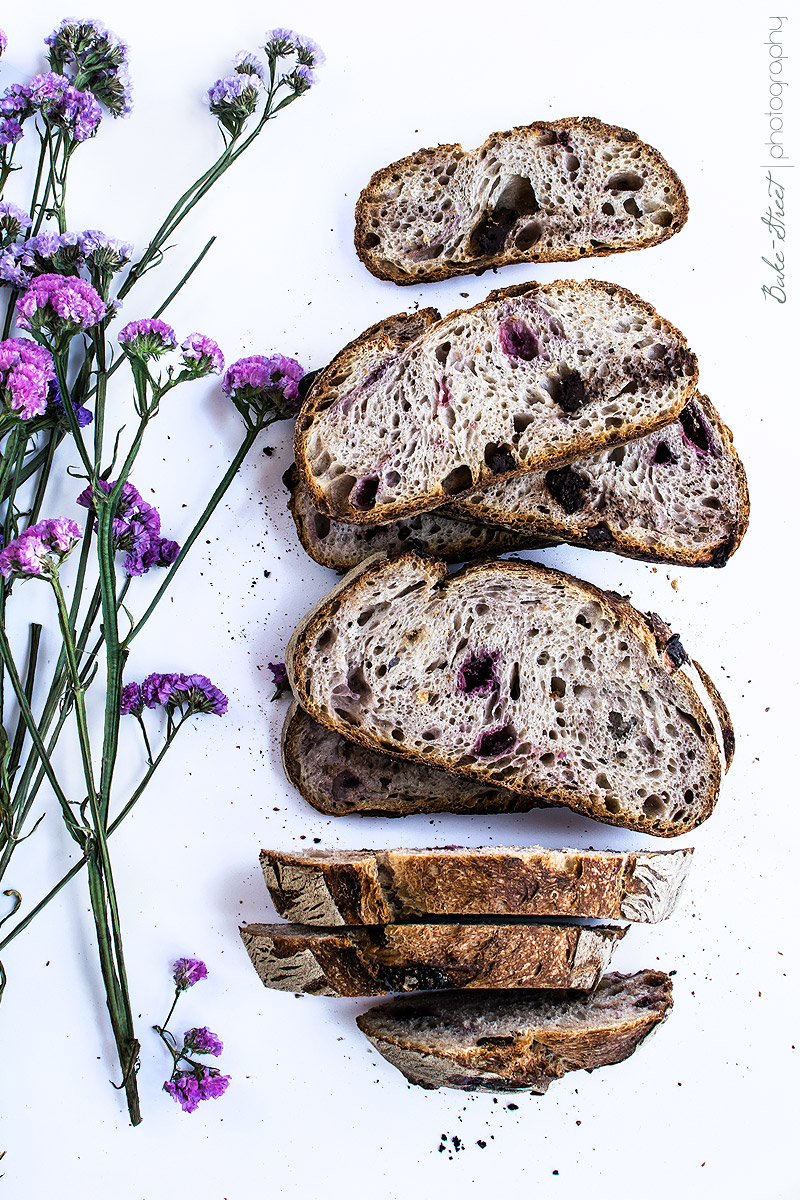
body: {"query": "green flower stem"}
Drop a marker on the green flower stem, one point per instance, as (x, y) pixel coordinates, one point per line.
(101, 880)
(30, 467)
(60, 362)
(99, 344)
(78, 866)
(19, 734)
(221, 489)
(38, 181)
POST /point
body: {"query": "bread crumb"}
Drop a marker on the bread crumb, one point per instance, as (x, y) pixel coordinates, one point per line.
(674, 585)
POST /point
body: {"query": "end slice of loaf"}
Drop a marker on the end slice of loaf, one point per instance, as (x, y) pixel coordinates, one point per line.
(341, 547)
(505, 1042)
(552, 191)
(521, 677)
(373, 960)
(530, 380)
(374, 887)
(340, 777)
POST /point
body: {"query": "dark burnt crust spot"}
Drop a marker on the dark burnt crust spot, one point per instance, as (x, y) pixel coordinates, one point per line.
(306, 383)
(572, 393)
(674, 651)
(417, 977)
(723, 552)
(599, 535)
(490, 233)
(568, 487)
(498, 1040)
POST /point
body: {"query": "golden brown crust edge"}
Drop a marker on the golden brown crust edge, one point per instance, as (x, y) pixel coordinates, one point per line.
(392, 274)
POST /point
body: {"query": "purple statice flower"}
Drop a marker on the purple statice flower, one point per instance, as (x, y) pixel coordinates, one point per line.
(301, 78)
(131, 700)
(67, 107)
(16, 101)
(279, 678)
(248, 64)
(136, 528)
(55, 252)
(283, 42)
(189, 694)
(264, 388)
(309, 54)
(40, 549)
(103, 252)
(188, 1088)
(233, 99)
(10, 131)
(26, 377)
(98, 61)
(202, 1041)
(63, 304)
(147, 338)
(184, 1090)
(55, 407)
(3, 42)
(202, 355)
(187, 972)
(12, 220)
(17, 266)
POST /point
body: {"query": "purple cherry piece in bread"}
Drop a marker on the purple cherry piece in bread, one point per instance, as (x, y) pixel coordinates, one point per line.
(364, 492)
(695, 430)
(476, 675)
(568, 487)
(493, 742)
(663, 456)
(572, 394)
(517, 339)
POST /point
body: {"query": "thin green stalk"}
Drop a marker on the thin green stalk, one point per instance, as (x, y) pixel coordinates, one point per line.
(101, 879)
(219, 492)
(19, 734)
(60, 364)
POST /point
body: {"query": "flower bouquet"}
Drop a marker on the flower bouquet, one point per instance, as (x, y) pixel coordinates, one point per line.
(61, 346)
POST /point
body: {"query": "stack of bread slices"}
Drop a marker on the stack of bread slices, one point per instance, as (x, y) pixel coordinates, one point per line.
(563, 412)
(509, 945)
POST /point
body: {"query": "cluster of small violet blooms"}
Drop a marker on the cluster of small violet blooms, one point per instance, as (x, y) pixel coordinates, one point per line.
(261, 384)
(149, 338)
(60, 305)
(279, 678)
(41, 549)
(57, 253)
(186, 694)
(234, 98)
(89, 67)
(27, 378)
(137, 529)
(192, 1081)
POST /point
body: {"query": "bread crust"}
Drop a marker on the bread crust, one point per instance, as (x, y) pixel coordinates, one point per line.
(641, 626)
(541, 1042)
(375, 887)
(547, 457)
(375, 960)
(438, 271)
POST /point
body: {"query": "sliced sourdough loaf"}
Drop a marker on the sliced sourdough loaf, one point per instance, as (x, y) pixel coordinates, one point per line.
(373, 960)
(507, 1042)
(676, 496)
(339, 777)
(518, 676)
(374, 887)
(552, 191)
(529, 380)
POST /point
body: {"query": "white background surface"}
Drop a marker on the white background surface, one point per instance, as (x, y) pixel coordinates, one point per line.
(709, 1105)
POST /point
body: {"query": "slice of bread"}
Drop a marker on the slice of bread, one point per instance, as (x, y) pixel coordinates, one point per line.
(375, 887)
(373, 960)
(507, 1042)
(339, 777)
(530, 380)
(553, 191)
(341, 547)
(676, 496)
(518, 676)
